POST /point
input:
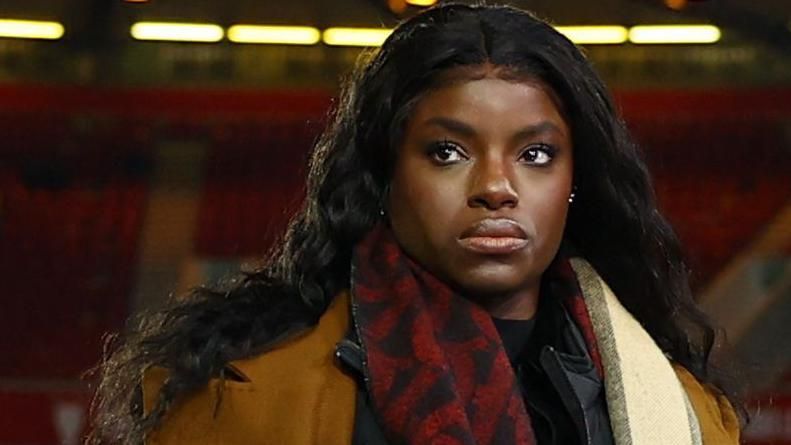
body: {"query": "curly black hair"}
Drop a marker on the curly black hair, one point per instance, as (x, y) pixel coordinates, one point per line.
(614, 222)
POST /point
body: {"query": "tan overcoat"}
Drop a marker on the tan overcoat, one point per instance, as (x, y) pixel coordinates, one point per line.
(298, 394)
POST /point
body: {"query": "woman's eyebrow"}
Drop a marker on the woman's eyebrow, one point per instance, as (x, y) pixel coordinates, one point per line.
(540, 128)
(452, 125)
(465, 129)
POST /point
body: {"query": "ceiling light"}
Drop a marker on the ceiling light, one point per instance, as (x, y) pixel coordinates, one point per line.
(355, 36)
(30, 29)
(181, 32)
(603, 34)
(288, 35)
(661, 34)
(421, 2)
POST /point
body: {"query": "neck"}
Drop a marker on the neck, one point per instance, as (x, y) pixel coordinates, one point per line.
(520, 305)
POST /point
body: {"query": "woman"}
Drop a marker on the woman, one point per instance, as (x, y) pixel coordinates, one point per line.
(473, 211)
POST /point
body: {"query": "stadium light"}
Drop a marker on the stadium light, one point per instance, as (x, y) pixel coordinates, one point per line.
(355, 36)
(285, 35)
(666, 34)
(177, 32)
(595, 35)
(30, 29)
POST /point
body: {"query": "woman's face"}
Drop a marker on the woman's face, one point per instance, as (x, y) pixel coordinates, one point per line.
(480, 188)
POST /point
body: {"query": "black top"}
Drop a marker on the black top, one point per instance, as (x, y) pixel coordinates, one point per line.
(515, 335)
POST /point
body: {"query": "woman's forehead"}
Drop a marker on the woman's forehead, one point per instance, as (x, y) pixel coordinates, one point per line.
(466, 73)
(489, 110)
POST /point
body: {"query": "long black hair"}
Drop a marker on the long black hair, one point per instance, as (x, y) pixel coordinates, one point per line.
(613, 223)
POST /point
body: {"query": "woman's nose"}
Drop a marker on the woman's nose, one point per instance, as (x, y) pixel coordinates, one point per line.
(492, 187)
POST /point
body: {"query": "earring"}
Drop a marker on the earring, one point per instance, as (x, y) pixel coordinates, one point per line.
(381, 212)
(573, 194)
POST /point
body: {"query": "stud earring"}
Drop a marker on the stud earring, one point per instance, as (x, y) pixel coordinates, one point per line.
(573, 194)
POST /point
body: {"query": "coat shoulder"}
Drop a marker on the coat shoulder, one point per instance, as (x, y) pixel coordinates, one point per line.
(718, 421)
(292, 393)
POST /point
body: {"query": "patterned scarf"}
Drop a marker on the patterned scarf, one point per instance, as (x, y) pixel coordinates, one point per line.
(436, 369)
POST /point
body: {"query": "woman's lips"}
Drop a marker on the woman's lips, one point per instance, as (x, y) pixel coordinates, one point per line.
(494, 236)
(492, 245)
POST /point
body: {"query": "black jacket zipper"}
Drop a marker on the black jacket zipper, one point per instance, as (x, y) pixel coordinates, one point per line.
(553, 368)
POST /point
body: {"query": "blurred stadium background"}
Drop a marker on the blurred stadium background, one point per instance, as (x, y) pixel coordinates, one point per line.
(134, 164)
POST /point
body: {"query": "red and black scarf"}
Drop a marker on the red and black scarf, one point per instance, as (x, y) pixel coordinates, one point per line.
(436, 369)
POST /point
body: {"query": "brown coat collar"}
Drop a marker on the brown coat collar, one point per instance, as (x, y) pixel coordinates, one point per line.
(293, 394)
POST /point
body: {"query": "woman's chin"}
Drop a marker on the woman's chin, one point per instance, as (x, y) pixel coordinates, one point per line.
(492, 281)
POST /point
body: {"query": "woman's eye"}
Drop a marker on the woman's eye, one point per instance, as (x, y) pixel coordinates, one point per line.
(446, 153)
(539, 154)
